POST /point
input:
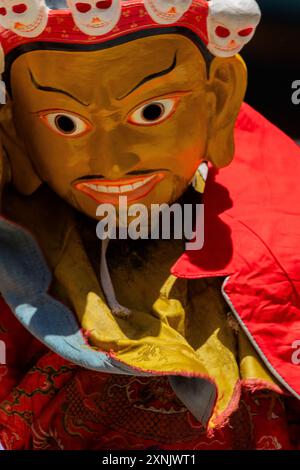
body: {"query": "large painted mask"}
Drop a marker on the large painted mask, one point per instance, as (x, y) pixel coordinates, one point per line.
(129, 109)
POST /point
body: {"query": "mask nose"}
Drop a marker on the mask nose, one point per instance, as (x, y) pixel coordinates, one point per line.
(123, 165)
(96, 21)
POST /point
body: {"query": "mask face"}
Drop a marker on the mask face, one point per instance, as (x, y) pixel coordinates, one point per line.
(26, 18)
(95, 17)
(114, 122)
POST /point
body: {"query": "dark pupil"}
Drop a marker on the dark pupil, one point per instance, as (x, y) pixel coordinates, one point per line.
(153, 112)
(65, 124)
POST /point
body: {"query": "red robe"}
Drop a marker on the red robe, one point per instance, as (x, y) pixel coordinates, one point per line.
(48, 403)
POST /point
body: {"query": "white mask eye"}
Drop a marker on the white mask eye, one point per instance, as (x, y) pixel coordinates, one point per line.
(222, 32)
(154, 112)
(20, 8)
(66, 124)
(244, 33)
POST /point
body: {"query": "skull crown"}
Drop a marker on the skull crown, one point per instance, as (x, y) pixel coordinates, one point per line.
(225, 27)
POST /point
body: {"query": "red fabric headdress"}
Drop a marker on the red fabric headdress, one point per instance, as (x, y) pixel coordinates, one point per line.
(63, 26)
(224, 26)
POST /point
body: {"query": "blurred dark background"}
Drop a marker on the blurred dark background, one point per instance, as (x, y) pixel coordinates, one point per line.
(273, 60)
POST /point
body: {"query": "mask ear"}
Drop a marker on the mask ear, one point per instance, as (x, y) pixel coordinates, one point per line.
(226, 90)
(23, 176)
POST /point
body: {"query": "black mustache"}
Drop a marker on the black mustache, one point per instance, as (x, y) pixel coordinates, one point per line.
(130, 173)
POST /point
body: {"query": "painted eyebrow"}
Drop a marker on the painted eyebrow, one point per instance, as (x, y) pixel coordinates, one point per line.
(152, 76)
(53, 90)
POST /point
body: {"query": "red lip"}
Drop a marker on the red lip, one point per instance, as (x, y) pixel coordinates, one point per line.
(102, 196)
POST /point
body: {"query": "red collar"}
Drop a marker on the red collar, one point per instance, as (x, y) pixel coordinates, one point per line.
(252, 237)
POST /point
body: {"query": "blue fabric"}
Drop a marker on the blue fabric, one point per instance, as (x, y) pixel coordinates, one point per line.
(24, 282)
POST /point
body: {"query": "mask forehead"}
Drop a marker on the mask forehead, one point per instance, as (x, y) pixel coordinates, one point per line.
(100, 71)
(234, 22)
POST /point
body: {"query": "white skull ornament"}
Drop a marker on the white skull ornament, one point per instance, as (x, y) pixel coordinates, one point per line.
(167, 11)
(95, 17)
(231, 24)
(26, 18)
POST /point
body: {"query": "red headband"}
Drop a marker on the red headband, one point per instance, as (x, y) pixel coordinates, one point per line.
(134, 17)
(224, 26)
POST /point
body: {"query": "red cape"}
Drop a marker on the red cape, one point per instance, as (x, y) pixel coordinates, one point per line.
(252, 237)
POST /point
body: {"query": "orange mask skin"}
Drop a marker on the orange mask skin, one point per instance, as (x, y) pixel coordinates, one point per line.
(95, 128)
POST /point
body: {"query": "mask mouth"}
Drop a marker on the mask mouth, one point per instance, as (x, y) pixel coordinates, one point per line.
(226, 49)
(171, 13)
(97, 23)
(31, 27)
(108, 191)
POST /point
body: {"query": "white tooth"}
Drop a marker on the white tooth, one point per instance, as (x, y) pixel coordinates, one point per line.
(102, 189)
(113, 189)
(119, 189)
(126, 188)
(138, 185)
(92, 186)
